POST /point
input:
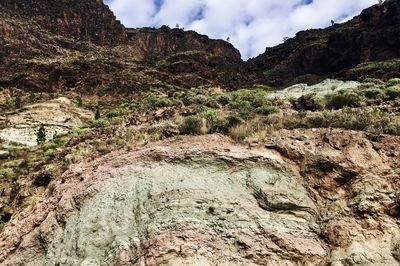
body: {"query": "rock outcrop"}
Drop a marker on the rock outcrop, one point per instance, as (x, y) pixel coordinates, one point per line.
(58, 117)
(89, 20)
(372, 36)
(153, 44)
(73, 42)
(206, 201)
(194, 57)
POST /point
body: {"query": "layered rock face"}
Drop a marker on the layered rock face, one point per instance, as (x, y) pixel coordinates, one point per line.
(58, 116)
(185, 53)
(150, 57)
(372, 36)
(112, 62)
(86, 20)
(154, 44)
(208, 201)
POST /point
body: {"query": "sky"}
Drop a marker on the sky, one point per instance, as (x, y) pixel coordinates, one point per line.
(251, 25)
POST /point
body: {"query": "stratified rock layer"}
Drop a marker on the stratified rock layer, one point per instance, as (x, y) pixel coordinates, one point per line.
(207, 201)
(58, 117)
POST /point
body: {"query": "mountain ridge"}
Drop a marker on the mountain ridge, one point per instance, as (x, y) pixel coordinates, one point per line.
(372, 36)
(183, 58)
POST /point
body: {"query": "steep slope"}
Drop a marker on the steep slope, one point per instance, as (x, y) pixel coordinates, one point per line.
(372, 36)
(191, 57)
(80, 47)
(89, 20)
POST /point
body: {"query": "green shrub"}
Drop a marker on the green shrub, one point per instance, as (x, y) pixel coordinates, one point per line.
(18, 102)
(392, 93)
(214, 119)
(373, 81)
(6, 173)
(163, 130)
(193, 125)
(209, 114)
(344, 98)
(99, 123)
(234, 120)
(393, 82)
(202, 100)
(222, 98)
(118, 120)
(97, 114)
(266, 110)
(52, 145)
(256, 97)
(373, 93)
(50, 153)
(152, 102)
(363, 119)
(41, 134)
(244, 108)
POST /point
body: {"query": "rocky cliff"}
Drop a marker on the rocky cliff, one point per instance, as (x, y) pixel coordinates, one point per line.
(83, 48)
(177, 57)
(85, 20)
(154, 44)
(372, 36)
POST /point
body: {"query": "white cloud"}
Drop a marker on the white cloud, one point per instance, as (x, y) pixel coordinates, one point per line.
(252, 25)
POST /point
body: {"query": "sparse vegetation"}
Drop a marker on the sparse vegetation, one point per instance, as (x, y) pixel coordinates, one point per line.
(370, 120)
(239, 114)
(266, 110)
(239, 132)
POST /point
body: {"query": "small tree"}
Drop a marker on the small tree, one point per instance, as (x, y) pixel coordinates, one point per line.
(332, 22)
(18, 102)
(228, 39)
(285, 39)
(80, 101)
(177, 26)
(97, 115)
(41, 134)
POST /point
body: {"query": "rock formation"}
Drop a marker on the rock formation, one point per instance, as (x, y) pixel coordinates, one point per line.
(177, 57)
(207, 201)
(302, 184)
(372, 36)
(85, 20)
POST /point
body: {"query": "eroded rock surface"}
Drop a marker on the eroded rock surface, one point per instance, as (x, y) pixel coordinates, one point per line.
(207, 201)
(57, 116)
(323, 88)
